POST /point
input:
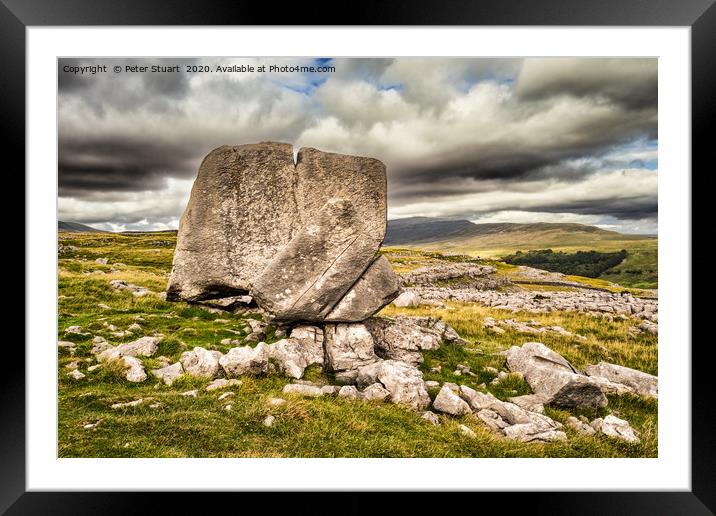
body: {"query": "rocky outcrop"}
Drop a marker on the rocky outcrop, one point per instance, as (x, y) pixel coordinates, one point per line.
(639, 382)
(301, 238)
(553, 377)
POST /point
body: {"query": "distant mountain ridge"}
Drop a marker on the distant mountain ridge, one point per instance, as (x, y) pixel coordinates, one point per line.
(429, 230)
(76, 227)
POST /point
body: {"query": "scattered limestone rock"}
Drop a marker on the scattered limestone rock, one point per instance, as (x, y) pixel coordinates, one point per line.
(375, 392)
(201, 362)
(615, 427)
(580, 426)
(529, 402)
(144, 346)
(431, 417)
(642, 383)
(407, 299)
(133, 403)
(169, 373)
(450, 403)
(135, 370)
(136, 290)
(221, 383)
(134, 327)
(191, 394)
(350, 392)
(276, 402)
(403, 381)
(101, 261)
(431, 384)
(75, 330)
(225, 395)
(246, 360)
(75, 374)
(329, 389)
(302, 390)
(552, 377)
(269, 421)
(467, 431)
(69, 346)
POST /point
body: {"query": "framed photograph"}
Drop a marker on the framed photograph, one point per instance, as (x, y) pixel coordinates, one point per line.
(444, 249)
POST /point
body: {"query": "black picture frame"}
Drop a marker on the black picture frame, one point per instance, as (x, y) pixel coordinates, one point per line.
(700, 15)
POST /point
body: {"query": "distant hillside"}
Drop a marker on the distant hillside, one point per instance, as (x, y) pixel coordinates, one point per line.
(76, 227)
(463, 235)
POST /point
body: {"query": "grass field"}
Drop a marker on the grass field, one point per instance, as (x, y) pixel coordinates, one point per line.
(168, 424)
(638, 270)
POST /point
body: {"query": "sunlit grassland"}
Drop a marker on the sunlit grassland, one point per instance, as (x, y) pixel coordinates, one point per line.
(324, 427)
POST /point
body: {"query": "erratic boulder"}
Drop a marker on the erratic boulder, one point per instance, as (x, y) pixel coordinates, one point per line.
(301, 238)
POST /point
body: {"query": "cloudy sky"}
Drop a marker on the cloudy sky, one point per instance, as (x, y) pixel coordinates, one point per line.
(489, 140)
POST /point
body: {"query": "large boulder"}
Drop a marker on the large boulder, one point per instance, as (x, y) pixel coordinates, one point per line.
(552, 377)
(301, 238)
(313, 272)
(642, 383)
(240, 213)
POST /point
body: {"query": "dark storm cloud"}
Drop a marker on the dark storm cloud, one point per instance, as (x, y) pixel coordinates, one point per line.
(631, 82)
(121, 164)
(517, 134)
(642, 207)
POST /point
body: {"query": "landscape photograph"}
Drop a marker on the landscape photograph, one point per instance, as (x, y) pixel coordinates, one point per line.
(357, 257)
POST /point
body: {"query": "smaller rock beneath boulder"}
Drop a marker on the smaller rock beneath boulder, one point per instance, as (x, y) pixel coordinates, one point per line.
(246, 360)
(350, 392)
(579, 426)
(450, 403)
(302, 390)
(347, 348)
(75, 374)
(201, 362)
(169, 373)
(431, 417)
(615, 427)
(467, 431)
(375, 392)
